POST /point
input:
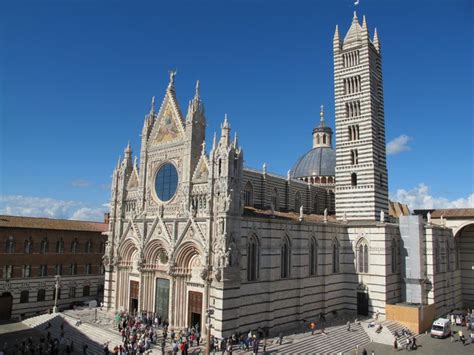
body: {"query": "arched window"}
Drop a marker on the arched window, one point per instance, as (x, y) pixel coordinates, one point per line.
(275, 200)
(362, 256)
(73, 269)
(324, 139)
(285, 262)
(89, 246)
(335, 256)
(75, 246)
(248, 194)
(86, 290)
(41, 295)
(26, 270)
(297, 201)
(313, 257)
(354, 179)
(317, 139)
(24, 296)
(28, 246)
(10, 245)
(44, 246)
(252, 258)
(394, 256)
(60, 246)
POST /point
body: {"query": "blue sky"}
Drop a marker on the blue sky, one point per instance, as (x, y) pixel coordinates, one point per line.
(77, 78)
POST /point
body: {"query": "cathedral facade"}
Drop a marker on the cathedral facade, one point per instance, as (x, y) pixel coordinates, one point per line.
(198, 238)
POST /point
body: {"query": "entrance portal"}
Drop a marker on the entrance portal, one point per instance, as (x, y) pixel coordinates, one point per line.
(162, 297)
(6, 301)
(195, 309)
(363, 303)
(134, 290)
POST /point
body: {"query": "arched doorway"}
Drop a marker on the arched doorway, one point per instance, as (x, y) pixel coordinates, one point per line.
(464, 241)
(6, 302)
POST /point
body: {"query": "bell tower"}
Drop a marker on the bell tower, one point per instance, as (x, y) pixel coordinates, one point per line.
(361, 170)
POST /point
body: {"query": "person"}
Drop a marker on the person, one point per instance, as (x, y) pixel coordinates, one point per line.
(348, 324)
(395, 344)
(377, 314)
(407, 344)
(371, 324)
(304, 325)
(472, 338)
(313, 327)
(280, 336)
(414, 346)
(364, 352)
(462, 338)
(379, 328)
(163, 345)
(106, 349)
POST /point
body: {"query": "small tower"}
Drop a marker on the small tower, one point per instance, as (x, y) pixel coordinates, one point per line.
(322, 135)
(361, 171)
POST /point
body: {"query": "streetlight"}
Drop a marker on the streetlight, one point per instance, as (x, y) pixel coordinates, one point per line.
(56, 285)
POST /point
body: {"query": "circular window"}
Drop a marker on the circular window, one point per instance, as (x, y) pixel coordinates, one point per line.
(166, 182)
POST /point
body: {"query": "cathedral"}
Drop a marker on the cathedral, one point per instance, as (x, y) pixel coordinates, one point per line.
(200, 239)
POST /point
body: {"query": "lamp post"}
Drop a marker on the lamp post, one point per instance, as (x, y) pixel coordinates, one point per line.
(56, 286)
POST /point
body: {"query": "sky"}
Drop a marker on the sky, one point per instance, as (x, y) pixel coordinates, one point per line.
(77, 77)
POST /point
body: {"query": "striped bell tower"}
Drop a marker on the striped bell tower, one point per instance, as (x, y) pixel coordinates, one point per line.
(361, 170)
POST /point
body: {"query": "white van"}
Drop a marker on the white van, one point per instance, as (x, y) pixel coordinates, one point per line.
(441, 328)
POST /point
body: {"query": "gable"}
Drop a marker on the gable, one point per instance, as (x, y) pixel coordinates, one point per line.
(168, 127)
(202, 170)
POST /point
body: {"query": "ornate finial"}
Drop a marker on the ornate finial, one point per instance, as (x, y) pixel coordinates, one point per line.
(264, 168)
(197, 89)
(152, 110)
(325, 215)
(321, 114)
(128, 148)
(172, 75)
(355, 15)
(235, 140)
(429, 217)
(226, 122)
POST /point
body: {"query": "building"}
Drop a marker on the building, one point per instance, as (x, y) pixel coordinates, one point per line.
(198, 238)
(34, 250)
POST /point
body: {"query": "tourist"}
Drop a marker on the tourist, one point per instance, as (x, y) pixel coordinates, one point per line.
(280, 338)
(312, 327)
(348, 325)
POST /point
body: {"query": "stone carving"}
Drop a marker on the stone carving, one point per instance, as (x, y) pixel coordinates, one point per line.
(301, 213)
(382, 216)
(429, 217)
(325, 215)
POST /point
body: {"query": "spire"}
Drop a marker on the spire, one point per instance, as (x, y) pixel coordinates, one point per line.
(235, 140)
(364, 22)
(197, 94)
(321, 114)
(376, 40)
(152, 109)
(128, 149)
(225, 129)
(226, 122)
(214, 140)
(336, 34)
(354, 18)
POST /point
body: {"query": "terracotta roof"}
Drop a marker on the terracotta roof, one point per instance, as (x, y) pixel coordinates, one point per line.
(47, 223)
(453, 212)
(255, 212)
(397, 209)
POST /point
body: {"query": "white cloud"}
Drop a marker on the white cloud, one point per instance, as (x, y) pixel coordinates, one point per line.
(419, 198)
(399, 144)
(18, 205)
(80, 183)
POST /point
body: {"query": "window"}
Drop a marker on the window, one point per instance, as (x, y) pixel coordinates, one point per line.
(75, 246)
(44, 246)
(24, 297)
(41, 295)
(166, 182)
(297, 201)
(394, 256)
(353, 109)
(352, 85)
(353, 132)
(252, 258)
(73, 269)
(10, 245)
(354, 157)
(26, 270)
(28, 246)
(88, 269)
(60, 246)
(248, 194)
(362, 256)
(86, 290)
(354, 179)
(43, 270)
(7, 271)
(59, 293)
(313, 257)
(274, 200)
(350, 59)
(285, 262)
(72, 292)
(335, 256)
(58, 269)
(89, 246)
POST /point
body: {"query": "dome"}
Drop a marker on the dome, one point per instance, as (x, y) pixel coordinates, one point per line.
(320, 161)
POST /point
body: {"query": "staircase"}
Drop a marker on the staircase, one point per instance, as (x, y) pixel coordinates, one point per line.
(338, 340)
(394, 327)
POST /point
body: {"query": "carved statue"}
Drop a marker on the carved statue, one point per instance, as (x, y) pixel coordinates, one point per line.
(429, 217)
(382, 216)
(301, 212)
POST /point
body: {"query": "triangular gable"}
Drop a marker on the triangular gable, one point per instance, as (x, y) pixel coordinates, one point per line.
(201, 173)
(133, 182)
(354, 34)
(168, 126)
